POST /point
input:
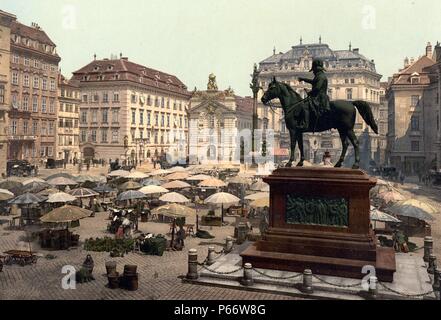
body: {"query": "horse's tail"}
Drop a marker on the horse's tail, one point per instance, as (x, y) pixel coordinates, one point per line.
(366, 113)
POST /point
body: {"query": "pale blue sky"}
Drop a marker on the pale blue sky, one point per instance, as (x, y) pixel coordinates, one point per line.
(192, 38)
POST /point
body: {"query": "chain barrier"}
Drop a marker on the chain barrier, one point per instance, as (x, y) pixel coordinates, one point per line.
(405, 294)
(222, 273)
(337, 285)
(278, 278)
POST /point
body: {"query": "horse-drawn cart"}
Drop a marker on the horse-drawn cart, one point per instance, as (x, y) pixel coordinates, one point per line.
(20, 257)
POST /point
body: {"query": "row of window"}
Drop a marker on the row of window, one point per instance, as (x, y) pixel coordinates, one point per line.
(165, 119)
(67, 140)
(37, 82)
(91, 136)
(104, 116)
(33, 104)
(46, 128)
(45, 151)
(67, 123)
(35, 63)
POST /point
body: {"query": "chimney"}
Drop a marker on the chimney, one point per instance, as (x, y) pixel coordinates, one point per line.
(356, 50)
(437, 53)
(429, 50)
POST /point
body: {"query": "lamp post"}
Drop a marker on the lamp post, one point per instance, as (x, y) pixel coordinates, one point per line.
(255, 88)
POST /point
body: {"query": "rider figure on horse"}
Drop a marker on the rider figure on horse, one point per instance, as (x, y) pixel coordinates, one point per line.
(318, 100)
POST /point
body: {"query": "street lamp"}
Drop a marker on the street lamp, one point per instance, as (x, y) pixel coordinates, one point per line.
(255, 88)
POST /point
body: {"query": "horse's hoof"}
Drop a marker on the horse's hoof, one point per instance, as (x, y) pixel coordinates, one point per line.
(355, 166)
(300, 164)
(338, 165)
(288, 165)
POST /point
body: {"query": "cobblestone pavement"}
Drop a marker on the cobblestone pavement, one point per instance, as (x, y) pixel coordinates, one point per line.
(159, 276)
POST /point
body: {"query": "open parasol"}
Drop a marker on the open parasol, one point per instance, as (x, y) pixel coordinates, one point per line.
(36, 186)
(27, 198)
(119, 174)
(177, 176)
(60, 175)
(177, 169)
(199, 177)
(222, 198)
(6, 195)
(83, 193)
(414, 209)
(130, 185)
(159, 172)
(130, 195)
(137, 175)
(390, 196)
(60, 197)
(260, 203)
(212, 183)
(62, 181)
(28, 181)
(174, 210)
(104, 188)
(174, 197)
(152, 189)
(65, 214)
(260, 186)
(240, 180)
(258, 195)
(176, 185)
(152, 181)
(377, 215)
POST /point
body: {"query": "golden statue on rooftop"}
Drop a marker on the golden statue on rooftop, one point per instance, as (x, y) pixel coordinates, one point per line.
(212, 84)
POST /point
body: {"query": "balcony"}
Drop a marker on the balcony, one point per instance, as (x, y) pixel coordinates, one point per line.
(21, 138)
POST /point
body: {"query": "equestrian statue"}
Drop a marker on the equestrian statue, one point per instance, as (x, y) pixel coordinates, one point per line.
(317, 114)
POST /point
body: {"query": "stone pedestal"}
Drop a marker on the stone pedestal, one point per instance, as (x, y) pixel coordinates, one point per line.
(320, 220)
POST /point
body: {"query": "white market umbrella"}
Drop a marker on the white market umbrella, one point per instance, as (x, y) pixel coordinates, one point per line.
(174, 197)
(152, 189)
(60, 197)
(119, 174)
(256, 196)
(137, 175)
(222, 198)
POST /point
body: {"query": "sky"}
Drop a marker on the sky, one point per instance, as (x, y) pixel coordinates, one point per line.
(192, 38)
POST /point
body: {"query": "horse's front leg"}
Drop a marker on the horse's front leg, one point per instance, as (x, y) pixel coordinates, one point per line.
(354, 141)
(299, 138)
(292, 136)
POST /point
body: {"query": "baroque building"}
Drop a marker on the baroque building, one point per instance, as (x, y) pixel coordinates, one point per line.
(413, 115)
(6, 19)
(34, 76)
(68, 132)
(351, 76)
(219, 123)
(130, 112)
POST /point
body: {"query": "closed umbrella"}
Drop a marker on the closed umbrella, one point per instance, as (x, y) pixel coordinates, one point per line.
(83, 193)
(414, 209)
(61, 197)
(212, 183)
(174, 197)
(222, 198)
(119, 174)
(130, 185)
(256, 196)
(130, 195)
(152, 189)
(177, 176)
(260, 186)
(66, 214)
(176, 185)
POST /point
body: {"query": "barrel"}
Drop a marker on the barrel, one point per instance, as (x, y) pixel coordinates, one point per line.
(131, 282)
(130, 270)
(111, 267)
(113, 280)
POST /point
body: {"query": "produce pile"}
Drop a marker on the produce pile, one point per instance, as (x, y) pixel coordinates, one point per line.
(118, 247)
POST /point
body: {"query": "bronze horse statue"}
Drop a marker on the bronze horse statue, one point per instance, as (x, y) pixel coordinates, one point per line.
(341, 117)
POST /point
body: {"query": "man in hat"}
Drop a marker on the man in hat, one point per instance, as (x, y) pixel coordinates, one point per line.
(318, 99)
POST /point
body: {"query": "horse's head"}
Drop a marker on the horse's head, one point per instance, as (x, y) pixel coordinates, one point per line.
(273, 91)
